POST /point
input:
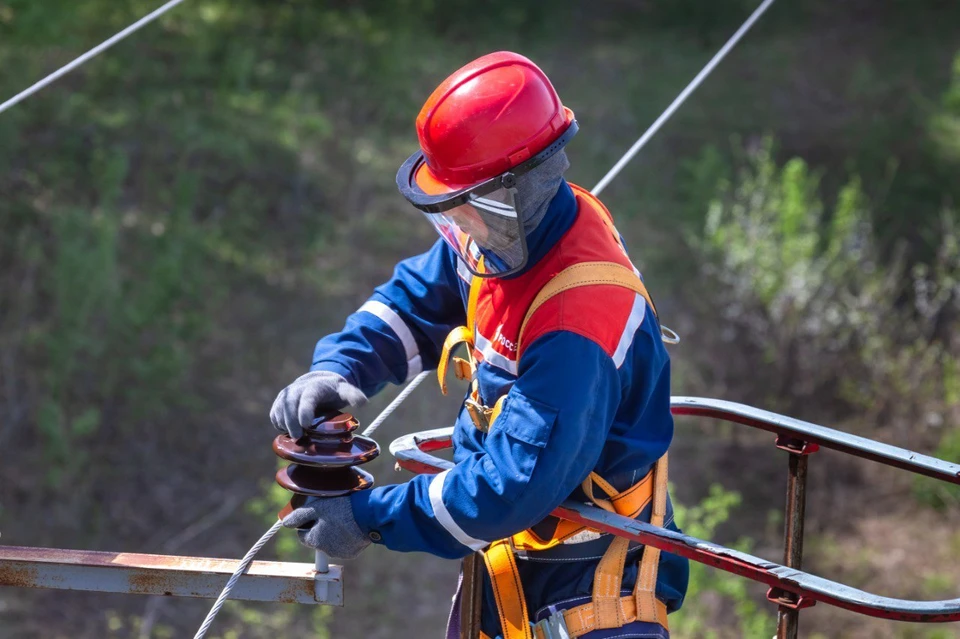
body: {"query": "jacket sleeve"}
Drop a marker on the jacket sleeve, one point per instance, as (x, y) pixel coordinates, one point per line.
(400, 330)
(545, 442)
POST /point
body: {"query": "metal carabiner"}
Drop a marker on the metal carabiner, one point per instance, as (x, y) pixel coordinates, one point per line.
(553, 627)
(479, 414)
(669, 335)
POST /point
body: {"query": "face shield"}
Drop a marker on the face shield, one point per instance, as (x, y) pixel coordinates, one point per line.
(480, 221)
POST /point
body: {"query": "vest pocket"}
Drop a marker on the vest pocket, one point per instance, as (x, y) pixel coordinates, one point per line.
(514, 443)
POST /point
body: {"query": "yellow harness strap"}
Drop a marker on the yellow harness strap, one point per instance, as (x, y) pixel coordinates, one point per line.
(587, 486)
(466, 369)
(586, 274)
(629, 503)
(505, 579)
(459, 335)
(644, 592)
(581, 620)
(608, 609)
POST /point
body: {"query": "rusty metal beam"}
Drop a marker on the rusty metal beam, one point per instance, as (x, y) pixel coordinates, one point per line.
(788, 614)
(471, 596)
(169, 575)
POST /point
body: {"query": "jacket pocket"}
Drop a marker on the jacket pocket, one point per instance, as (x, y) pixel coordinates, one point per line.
(514, 443)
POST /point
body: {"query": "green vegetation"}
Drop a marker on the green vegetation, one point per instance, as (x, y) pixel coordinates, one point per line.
(184, 215)
(718, 604)
(810, 288)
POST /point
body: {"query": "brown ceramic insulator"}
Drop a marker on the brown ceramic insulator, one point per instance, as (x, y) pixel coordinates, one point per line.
(295, 502)
(334, 423)
(326, 451)
(314, 482)
(325, 460)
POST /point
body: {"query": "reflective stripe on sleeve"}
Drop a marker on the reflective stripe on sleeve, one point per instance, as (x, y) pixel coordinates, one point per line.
(401, 330)
(445, 519)
(414, 367)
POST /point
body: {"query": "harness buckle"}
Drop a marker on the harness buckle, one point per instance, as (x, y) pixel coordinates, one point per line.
(463, 369)
(478, 414)
(553, 627)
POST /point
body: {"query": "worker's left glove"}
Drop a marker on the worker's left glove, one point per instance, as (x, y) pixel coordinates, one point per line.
(297, 404)
(328, 524)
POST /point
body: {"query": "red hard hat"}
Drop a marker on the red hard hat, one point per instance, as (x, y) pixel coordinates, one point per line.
(486, 118)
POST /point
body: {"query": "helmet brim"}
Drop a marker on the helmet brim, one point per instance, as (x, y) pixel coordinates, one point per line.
(422, 188)
(430, 184)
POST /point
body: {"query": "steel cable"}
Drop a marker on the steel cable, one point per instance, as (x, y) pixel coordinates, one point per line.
(235, 577)
(680, 99)
(103, 46)
(404, 394)
(248, 558)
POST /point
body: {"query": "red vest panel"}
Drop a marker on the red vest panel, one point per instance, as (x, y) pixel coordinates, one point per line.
(599, 313)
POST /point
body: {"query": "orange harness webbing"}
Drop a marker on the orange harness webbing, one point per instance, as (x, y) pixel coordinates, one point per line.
(608, 609)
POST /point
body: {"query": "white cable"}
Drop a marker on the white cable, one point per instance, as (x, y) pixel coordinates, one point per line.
(649, 133)
(404, 394)
(242, 568)
(103, 46)
(248, 558)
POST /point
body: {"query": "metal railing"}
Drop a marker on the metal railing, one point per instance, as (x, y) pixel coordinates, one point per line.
(791, 589)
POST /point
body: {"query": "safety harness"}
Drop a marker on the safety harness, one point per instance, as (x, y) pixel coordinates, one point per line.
(608, 608)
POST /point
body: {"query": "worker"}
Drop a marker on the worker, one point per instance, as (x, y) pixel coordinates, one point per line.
(569, 379)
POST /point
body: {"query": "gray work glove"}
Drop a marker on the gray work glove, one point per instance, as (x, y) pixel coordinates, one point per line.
(328, 524)
(296, 405)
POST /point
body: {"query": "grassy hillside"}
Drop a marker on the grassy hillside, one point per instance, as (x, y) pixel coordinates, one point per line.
(184, 216)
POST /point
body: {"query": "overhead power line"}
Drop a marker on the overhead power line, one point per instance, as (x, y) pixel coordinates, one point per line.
(649, 133)
(103, 46)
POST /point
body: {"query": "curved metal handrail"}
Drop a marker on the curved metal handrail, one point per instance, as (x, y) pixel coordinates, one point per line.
(820, 435)
(412, 453)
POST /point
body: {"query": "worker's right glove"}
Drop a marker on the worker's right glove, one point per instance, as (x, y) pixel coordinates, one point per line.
(328, 524)
(297, 404)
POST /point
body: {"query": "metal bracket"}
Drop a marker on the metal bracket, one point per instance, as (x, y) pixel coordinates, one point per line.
(787, 599)
(796, 446)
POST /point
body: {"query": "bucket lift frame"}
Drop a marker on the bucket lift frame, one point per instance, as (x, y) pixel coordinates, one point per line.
(789, 588)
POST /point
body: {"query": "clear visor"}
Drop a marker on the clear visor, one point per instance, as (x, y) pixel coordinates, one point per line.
(486, 227)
